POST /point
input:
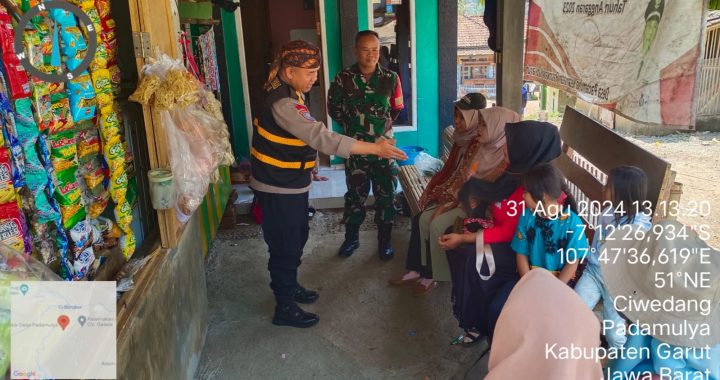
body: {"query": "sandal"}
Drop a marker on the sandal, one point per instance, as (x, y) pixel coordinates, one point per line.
(471, 338)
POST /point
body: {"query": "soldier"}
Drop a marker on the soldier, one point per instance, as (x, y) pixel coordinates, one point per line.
(284, 151)
(365, 98)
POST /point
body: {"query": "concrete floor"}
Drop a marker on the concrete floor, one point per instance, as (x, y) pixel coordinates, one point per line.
(367, 330)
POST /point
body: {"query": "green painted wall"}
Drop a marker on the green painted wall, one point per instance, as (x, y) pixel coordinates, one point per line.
(363, 15)
(240, 142)
(334, 44)
(427, 66)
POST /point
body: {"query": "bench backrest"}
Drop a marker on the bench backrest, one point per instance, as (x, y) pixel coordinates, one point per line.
(590, 151)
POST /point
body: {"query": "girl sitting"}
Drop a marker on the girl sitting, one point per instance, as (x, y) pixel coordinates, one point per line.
(626, 189)
(549, 234)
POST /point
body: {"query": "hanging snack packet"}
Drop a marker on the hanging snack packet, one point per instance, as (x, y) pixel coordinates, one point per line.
(63, 17)
(60, 105)
(127, 244)
(94, 181)
(83, 263)
(118, 185)
(80, 236)
(33, 48)
(67, 191)
(103, 7)
(72, 214)
(98, 205)
(11, 226)
(43, 110)
(101, 58)
(88, 146)
(7, 190)
(25, 125)
(63, 151)
(45, 213)
(7, 34)
(19, 85)
(82, 98)
(115, 78)
(103, 88)
(123, 216)
(114, 153)
(74, 46)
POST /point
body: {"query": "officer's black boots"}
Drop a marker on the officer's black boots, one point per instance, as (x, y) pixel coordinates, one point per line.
(385, 250)
(288, 313)
(303, 295)
(352, 240)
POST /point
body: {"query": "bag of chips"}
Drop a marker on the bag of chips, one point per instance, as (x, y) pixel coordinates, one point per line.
(103, 88)
(11, 226)
(60, 105)
(18, 83)
(82, 98)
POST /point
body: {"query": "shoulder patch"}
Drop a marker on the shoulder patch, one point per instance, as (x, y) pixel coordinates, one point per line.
(304, 112)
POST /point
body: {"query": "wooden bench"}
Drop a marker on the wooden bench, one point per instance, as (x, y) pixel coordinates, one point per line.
(589, 152)
(413, 182)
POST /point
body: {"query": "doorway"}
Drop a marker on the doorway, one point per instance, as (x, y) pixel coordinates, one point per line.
(264, 34)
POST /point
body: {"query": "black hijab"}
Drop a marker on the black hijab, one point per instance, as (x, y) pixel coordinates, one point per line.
(529, 143)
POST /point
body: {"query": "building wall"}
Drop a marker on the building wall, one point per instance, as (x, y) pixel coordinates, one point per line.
(167, 334)
(286, 16)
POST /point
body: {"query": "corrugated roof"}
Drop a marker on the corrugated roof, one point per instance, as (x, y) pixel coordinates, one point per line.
(713, 18)
(472, 36)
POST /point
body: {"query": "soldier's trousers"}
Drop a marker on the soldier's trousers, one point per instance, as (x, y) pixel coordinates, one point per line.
(360, 174)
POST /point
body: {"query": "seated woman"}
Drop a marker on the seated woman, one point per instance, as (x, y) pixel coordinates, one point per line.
(482, 263)
(478, 132)
(543, 311)
(682, 343)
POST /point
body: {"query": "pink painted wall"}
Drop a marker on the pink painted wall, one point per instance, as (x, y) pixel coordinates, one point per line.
(286, 15)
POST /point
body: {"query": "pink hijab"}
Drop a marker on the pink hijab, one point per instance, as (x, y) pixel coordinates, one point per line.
(491, 154)
(541, 312)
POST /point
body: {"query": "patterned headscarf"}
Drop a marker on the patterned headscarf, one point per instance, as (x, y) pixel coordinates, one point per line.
(296, 53)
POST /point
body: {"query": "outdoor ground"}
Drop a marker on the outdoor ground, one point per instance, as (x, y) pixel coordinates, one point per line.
(367, 330)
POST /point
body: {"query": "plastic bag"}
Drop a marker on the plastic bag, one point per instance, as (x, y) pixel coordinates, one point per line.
(15, 266)
(427, 164)
(198, 138)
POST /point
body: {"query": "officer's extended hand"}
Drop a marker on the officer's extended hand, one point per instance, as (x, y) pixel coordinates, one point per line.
(386, 149)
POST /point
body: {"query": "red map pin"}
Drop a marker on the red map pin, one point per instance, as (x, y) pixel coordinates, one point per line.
(63, 321)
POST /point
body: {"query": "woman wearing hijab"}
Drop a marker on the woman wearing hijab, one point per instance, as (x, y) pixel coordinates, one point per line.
(543, 312)
(482, 263)
(478, 133)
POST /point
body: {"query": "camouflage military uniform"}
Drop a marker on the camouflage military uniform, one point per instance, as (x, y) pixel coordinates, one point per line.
(366, 110)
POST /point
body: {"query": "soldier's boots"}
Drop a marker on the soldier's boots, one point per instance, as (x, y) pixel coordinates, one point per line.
(352, 240)
(385, 250)
(288, 313)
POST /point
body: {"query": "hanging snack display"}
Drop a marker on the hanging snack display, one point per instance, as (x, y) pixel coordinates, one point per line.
(63, 156)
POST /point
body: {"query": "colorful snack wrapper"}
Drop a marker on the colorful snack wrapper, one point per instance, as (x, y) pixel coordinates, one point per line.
(45, 212)
(123, 216)
(118, 185)
(25, 125)
(73, 45)
(114, 152)
(7, 190)
(12, 227)
(33, 48)
(103, 87)
(19, 85)
(35, 178)
(115, 78)
(63, 146)
(72, 214)
(63, 17)
(127, 244)
(103, 8)
(60, 106)
(101, 58)
(81, 236)
(82, 98)
(88, 148)
(67, 191)
(94, 181)
(98, 205)
(106, 226)
(83, 263)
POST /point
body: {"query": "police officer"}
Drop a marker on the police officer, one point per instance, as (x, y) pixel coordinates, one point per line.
(365, 98)
(284, 149)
